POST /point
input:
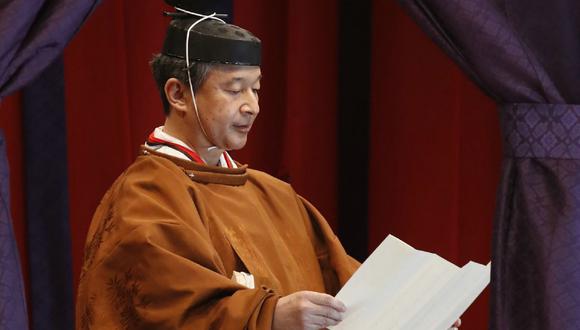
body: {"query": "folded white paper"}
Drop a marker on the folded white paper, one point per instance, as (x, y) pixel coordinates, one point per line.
(399, 287)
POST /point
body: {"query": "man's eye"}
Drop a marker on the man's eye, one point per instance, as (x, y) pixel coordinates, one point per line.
(256, 91)
(234, 92)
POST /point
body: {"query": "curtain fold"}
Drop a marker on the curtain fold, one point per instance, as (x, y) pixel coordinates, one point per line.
(524, 55)
(13, 314)
(34, 33)
(47, 201)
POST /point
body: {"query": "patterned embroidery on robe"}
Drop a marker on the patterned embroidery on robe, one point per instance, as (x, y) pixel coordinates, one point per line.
(106, 227)
(125, 296)
(87, 315)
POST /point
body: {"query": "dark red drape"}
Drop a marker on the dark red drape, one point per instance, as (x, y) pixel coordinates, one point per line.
(434, 136)
(295, 137)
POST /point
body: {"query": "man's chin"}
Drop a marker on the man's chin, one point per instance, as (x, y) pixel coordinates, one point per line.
(237, 145)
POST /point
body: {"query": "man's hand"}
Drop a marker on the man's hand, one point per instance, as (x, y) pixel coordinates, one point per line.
(307, 310)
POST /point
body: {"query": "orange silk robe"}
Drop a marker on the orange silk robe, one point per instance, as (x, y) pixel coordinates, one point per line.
(169, 233)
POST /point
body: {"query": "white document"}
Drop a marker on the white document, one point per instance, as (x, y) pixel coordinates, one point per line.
(399, 287)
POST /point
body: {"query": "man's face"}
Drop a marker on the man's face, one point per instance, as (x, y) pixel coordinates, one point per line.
(228, 104)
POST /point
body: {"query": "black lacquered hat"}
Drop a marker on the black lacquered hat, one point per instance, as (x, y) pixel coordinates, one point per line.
(210, 40)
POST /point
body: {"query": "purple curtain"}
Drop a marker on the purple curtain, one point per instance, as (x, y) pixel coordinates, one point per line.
(33, 34)
(526, 55)
(12, 301)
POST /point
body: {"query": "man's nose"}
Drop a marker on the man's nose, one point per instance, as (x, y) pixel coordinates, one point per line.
(251, 104)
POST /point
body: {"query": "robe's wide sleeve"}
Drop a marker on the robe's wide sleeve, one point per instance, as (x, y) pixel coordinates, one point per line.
(336, 265)
(150, 264)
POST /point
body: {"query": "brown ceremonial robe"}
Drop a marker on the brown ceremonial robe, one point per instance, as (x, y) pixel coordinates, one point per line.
(169, 233)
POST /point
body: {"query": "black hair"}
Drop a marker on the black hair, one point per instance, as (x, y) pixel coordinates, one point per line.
(165, 67)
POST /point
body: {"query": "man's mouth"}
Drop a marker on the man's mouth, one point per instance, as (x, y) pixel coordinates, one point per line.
(244, 128)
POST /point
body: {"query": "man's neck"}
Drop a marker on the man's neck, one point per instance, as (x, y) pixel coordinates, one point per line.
(210, 154)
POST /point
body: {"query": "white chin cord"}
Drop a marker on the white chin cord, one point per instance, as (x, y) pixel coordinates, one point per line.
(203, 18)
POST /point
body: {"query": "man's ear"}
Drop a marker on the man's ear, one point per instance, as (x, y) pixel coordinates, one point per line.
(177, 95)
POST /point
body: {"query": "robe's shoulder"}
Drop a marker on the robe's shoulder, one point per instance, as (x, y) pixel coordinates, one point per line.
(268, 181)
(165, 172)
(148, 171)
(147, 182)
(153, 165)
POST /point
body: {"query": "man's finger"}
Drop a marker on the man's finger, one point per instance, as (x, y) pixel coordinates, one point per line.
(322, 322)
(313, 310)
(327, 312)
(326, 300)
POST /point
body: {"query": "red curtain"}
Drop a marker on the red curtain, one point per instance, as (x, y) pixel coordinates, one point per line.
(434, 137)
(295, 136)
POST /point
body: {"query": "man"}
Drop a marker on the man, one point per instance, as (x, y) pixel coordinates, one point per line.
(188, 238)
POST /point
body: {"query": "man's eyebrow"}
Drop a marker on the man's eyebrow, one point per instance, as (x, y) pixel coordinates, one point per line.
(241, 79)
